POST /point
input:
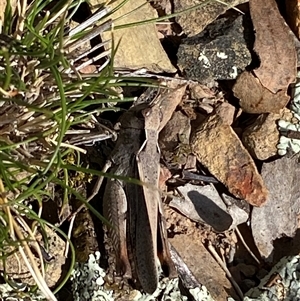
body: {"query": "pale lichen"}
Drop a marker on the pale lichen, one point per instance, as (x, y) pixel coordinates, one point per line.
(88, 284)
(286, 143)
(8, 293)
(88, 279)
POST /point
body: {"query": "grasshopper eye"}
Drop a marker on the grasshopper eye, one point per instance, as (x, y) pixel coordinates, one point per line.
(146, 112)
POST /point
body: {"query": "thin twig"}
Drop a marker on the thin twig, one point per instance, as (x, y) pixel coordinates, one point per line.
(246, 246)
(224, 267)
(95, 189)
(69, 235)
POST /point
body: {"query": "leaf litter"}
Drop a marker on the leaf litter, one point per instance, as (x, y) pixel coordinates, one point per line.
(210, 226)
(264, 89)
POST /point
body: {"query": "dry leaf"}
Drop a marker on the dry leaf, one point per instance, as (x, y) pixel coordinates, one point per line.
(217, 147)
(255, 98)
(264, 89)
(139, 45)
(274, 46)
(199, 91)
(171, 101)
(194, 21)
(88, 69)
(279, 216)
(262, 136)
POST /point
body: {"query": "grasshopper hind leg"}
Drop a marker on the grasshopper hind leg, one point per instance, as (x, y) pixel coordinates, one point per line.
(164, 253)
(146, 262)
(114, 210)
(142, 248)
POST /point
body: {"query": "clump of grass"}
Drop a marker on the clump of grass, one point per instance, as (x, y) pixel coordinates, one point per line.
(43, 97)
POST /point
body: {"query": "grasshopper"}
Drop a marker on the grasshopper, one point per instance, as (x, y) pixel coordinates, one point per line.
(138, 231)
(115, 203)
(148, 162)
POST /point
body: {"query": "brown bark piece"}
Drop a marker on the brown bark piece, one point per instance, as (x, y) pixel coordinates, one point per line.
(255, 98)
(274, 46)
(217, 147)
